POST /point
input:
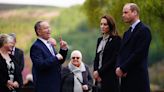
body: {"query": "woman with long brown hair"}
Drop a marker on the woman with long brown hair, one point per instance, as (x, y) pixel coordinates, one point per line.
(106, 53)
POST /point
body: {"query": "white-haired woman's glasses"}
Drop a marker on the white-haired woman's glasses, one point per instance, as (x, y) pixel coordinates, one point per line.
(76, 57)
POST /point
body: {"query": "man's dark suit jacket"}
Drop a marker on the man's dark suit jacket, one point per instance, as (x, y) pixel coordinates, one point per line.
(107, 71)
(19, 55)
(46, 68)
(132, 59)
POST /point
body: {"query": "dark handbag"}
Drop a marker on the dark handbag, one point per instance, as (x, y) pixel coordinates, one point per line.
(96, 87)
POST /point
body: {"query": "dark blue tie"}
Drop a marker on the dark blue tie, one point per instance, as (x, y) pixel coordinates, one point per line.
(129, 32)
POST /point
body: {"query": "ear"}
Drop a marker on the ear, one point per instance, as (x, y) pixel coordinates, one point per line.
(135, 12)
(38, 31)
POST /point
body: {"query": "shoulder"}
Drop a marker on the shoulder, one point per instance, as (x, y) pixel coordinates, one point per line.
(19, 50)
(36, 44)
(116, 38)
(99, 39)
(1, 60)
(65, 69)
(143, 28)
(86, 66)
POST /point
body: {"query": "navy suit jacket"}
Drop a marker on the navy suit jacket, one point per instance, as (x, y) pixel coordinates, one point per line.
(132, 59)
(46, 68)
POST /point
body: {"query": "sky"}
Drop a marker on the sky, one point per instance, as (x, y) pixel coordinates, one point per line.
(58, 3)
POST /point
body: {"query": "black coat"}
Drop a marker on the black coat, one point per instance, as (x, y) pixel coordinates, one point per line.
(19, 55)
(67, 84)
(107, 71)
(132, 59)
(4, 77)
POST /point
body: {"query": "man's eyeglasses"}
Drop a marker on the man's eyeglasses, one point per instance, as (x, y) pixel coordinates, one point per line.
(75, 57)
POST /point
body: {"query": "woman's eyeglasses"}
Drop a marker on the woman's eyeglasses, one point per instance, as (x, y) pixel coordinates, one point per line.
(75, 57)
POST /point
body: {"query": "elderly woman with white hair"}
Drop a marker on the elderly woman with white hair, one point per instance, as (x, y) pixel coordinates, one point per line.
(9, 76)
(76, 76)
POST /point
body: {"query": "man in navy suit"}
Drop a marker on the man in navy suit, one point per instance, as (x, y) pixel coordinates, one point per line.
(46, 61)
(132, 59)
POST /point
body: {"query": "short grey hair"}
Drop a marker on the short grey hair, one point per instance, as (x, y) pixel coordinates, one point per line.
(5, 38)
(13, 35)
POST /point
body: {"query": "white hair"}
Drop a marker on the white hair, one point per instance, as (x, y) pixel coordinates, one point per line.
(76, 52)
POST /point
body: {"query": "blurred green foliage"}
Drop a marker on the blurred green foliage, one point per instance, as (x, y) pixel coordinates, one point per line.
(72, 26)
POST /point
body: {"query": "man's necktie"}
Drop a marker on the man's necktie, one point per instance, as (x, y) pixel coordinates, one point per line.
(130, 29)
(129, 32)
(50, 48)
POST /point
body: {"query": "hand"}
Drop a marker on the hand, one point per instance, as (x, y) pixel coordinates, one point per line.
(125, 74)
(10, 85)
(53, 41)
(85, 87)
(15, 84)
(119, 72)
(59, 56)
(96, 76)
(99, 79)
(63, 44)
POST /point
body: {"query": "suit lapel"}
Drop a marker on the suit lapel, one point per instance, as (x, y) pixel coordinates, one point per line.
(108, 42)
(15, 52)
(44, 46)
(129, 34)
(99, 40)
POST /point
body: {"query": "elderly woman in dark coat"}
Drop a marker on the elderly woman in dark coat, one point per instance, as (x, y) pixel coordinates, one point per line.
(76, 76)
(9, 76)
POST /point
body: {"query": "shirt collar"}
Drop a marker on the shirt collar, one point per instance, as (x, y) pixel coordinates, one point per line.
(43, 40)
(13, 50)
(105, 37)
(134, 24)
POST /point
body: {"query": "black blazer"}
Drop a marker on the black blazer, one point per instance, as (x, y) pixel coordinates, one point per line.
(19, 55)
(107, 71)
(4, 77)
(132, 59)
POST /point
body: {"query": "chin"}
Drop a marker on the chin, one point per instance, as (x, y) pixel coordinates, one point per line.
(126, 21)
(103, 32)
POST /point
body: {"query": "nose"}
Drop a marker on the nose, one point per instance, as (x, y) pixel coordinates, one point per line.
(123, 14)
(102, 25)
(49, 30)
